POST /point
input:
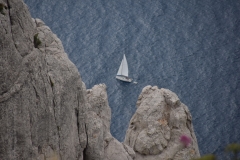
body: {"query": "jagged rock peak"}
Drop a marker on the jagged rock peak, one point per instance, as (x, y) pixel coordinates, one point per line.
(101, 144)
(155, 129)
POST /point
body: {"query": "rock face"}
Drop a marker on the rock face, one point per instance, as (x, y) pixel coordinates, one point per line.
(156, 127)
(46, 112)
(44, 106)
(41, 98)
(101, 145)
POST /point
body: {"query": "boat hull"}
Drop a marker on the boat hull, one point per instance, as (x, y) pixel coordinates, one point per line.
(123, 78)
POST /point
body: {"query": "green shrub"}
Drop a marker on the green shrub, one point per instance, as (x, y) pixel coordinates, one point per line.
(235, 148)
(59, 128)
(207, 157)
(2, 6)
(37, 41)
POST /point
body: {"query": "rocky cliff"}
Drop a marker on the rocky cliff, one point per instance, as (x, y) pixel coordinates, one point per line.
(41, 98)
(156, 128)
(101, 144)
(47, 113)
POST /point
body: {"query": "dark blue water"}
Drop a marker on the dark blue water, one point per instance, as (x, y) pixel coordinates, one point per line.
(190, 47)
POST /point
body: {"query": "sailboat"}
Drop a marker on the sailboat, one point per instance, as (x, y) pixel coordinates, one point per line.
(122, 73)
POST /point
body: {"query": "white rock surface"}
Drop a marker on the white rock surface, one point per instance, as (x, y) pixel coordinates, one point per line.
(156, 127)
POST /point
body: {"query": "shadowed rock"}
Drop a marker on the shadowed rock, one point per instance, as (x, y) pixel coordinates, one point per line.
(156, 127)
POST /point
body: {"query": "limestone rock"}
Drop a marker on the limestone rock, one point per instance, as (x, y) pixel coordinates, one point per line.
(101, 145)
(117, 151)
(156, 127)
(46, 112)
(44, 106)
(42, 102)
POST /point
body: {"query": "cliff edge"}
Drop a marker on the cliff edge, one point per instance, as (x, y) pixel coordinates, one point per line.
(41, 95)
(101, 144)
(46, 112)
(156, 129)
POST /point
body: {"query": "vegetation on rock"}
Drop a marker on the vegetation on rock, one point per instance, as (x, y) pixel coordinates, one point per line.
(37, 41)
(207, 157)
(2, 6)
(234, 148)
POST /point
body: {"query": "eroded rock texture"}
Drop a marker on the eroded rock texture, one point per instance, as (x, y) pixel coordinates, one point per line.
(41, 99)
(46, 112)
(44, 105)
(156, 127)
(101, 145)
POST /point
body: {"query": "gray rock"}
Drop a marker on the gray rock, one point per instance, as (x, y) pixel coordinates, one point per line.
(45, 107)
(156, 127)
(47, 113)
(101, 145)
(42, 102)
(117, 151)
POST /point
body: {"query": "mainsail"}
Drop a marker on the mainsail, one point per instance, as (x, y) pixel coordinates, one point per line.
(123, 69)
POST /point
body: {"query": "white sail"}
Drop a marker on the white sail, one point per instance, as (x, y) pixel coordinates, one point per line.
(120, 70)
(123, 69)
(122, 73)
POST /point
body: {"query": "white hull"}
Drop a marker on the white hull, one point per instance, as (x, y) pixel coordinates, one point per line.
(123, 78)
